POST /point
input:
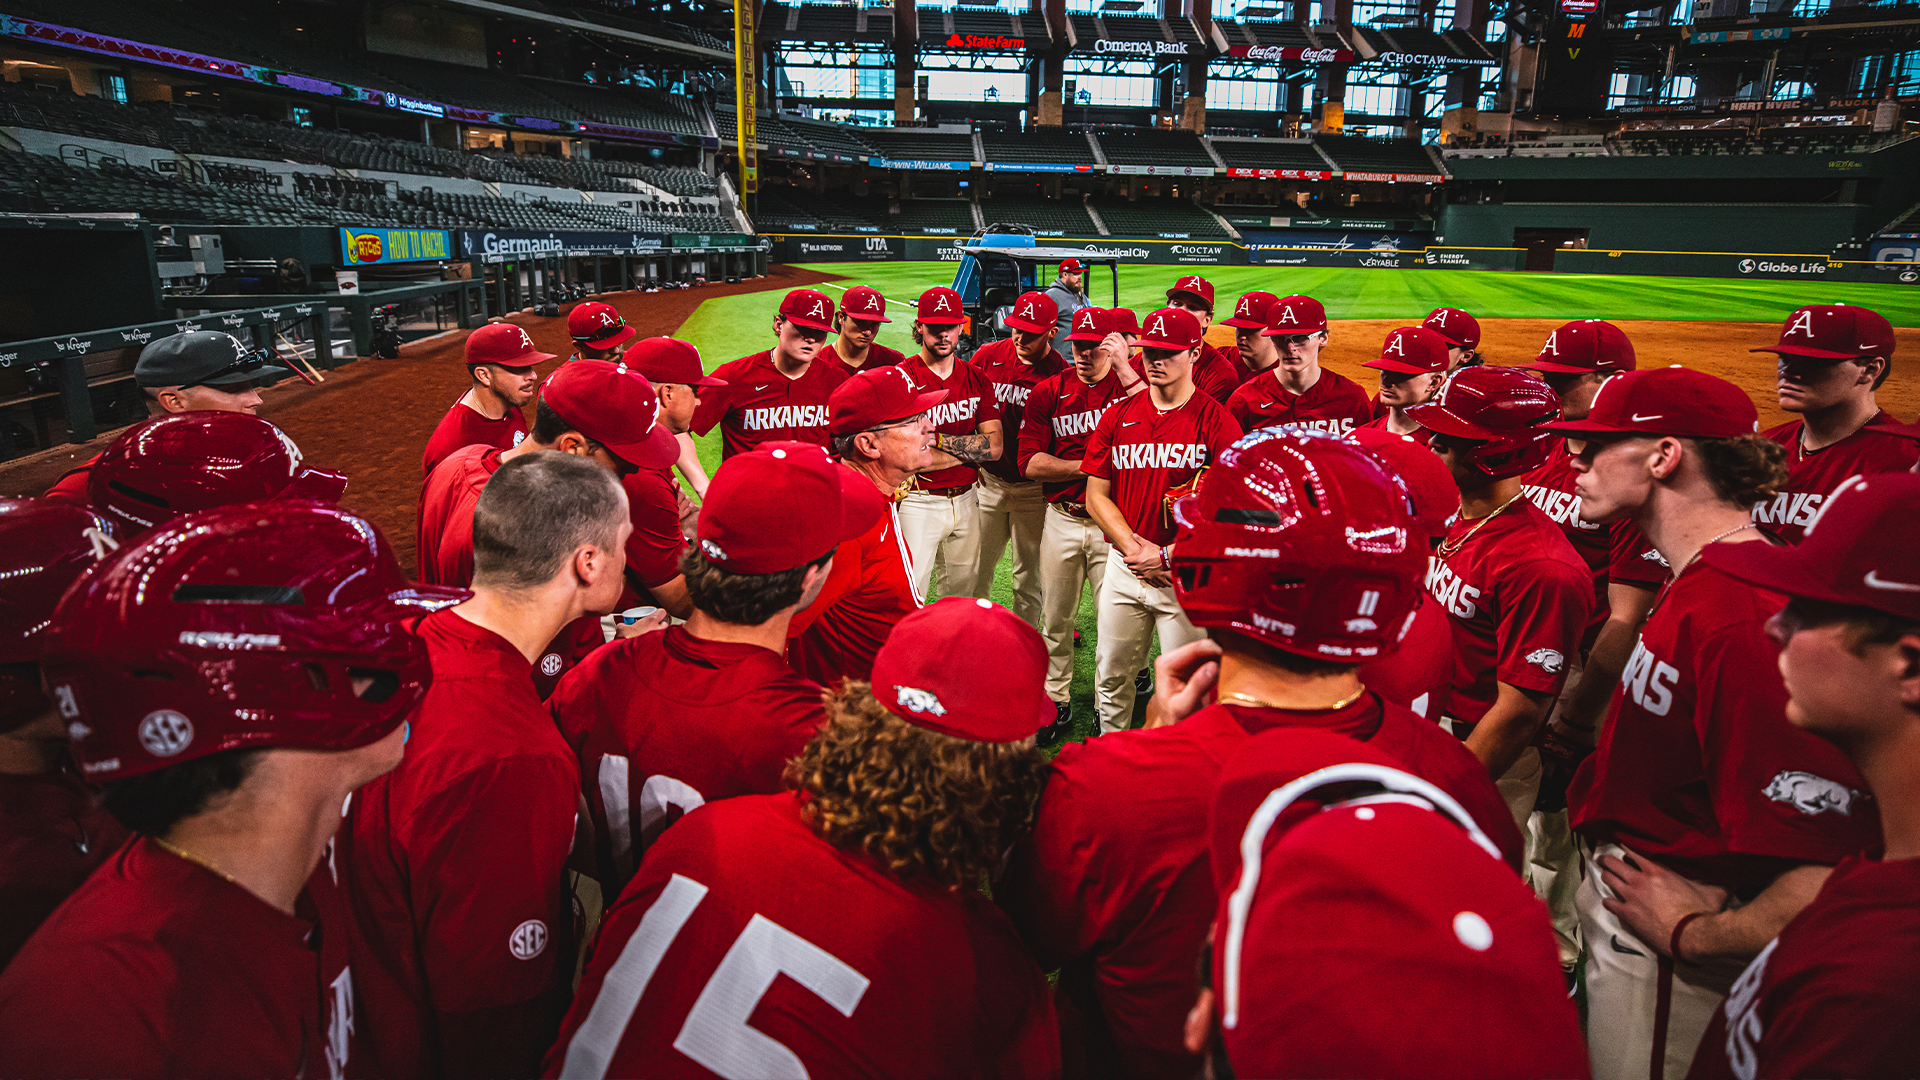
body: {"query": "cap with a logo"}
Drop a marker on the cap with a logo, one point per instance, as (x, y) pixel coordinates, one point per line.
(915, 678)
(1858, 550)
(864, 302)
(1834, 332)
(1412, 350)
(1091, 324)
(1581, 346)
(1171, 328)
(810, 308)
(598, 326)
(204, 358)
(875, 398)
(1296, 315)
(782, 505)
(1252, 312)
(1034, 312)
(940, 306)
(1459, 328)
(614, 406)
(1072, 266)
(503, 344)
(1667, 401)
(1125, 321)
(1193, 285)
(669, 360)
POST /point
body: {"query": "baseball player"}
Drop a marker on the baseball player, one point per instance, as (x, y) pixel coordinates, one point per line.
(881, 430)
(1461, 332)
(458, 856)
(1832, 358)
(861, 887)
(1139, 453)
(1299, 392)
(662, 724)
(1214, 372)
(1060, 416)
(1412, 365)
(1335, 859)
(781, 393)
(1707, 821)
(500, 360)
(1257, 352)
(1834, 994)
(598, 331)
(1126, 322)
(215, 943)
(1068, 293)
(862, 310)
(52, 830)
(1112, 885)
(1012, 506)
(1517, 592)
(940, 517)
(662, 513)
(1420, 670)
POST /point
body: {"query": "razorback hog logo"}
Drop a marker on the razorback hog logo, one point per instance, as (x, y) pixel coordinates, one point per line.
(1547, 660)
(1811, 794)
(914, 699)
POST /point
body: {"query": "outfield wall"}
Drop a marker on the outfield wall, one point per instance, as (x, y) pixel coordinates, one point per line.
(1780, 229)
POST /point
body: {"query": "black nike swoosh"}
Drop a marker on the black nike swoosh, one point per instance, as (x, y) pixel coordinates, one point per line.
(1628, 950)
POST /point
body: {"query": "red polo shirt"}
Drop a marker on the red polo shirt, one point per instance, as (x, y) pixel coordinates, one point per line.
(762, 404)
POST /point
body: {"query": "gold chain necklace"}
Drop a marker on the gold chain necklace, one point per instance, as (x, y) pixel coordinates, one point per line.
(1249, 699)
(1447, 548)
(195, 859)
(1668, 587)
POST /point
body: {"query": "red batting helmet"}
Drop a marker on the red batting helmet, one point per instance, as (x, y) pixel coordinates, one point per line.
(44, 547)
(244, 627)
(177, 464)
(1304, 541)
(1504, 409)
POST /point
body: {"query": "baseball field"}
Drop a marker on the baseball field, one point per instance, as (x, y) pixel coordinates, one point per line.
(371, 419)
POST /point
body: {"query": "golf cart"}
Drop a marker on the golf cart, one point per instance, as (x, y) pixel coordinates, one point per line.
(999, 263)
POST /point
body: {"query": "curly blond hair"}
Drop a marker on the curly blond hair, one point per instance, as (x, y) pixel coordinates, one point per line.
(920, 803)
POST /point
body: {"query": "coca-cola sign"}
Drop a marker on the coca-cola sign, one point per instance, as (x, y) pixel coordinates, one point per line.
(1292, 52)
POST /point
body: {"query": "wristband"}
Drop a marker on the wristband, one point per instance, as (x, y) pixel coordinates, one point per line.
(1166, 558)
(1673, 942)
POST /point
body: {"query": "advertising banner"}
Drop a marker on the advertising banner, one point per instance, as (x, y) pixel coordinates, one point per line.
(498, 243)
(925, 166)
(365, 247)
(1282, 174)
(1293, 53)
(1733, 265)
(1398, 178)
(986, 42)
(745, 106)
(1037, 166)
(1434, 60)
(1110, 47)
(1162, 170)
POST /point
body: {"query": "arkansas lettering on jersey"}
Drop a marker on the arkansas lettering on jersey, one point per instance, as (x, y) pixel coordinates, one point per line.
(782, 417)
(970, 403)
(1159, 456)
(1335, 404)
(1812, 477)
(761, 403)
(1144, 453)
(1062, 412)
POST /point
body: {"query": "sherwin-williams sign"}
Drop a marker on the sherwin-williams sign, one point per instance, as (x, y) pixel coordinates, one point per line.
(363, 247)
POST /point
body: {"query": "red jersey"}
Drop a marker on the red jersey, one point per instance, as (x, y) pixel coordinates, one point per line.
(158, 967)
(1812, 477)
(869, 588)
(72, 487)
(1697, 765)
(1616, 553)
(52, 835)
(1060, 416)
(1217, 372)
(1334, 404)
(653, 504)
(1013, 381)
(1834, 994)
(878, 356)
(1519, 597)
(458, 860)
(1113, 885)
(883, 977)
(1144, 453)
(1418, 673)
(970, 403)
(465, 426)
(664, 723)
(443, 527)
(762, 404)
(1420, 434)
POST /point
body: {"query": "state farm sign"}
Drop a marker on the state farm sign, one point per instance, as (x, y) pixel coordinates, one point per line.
(1291, 52)
(990, 42)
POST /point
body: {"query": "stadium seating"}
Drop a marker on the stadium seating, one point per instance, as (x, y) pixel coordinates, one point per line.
(913, 144)
(1267, 32)
(1068, 147)
(1356, 154)
(932, 215)
(1150, 146)
(1158, 218)
(1052, 217)
(1779, 140)
(1269, 154)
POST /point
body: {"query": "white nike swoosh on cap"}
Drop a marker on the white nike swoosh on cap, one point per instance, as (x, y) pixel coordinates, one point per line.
(1875, 581)
(1638, 419)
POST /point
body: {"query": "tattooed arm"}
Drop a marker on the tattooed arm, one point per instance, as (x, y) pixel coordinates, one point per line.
(982, 446)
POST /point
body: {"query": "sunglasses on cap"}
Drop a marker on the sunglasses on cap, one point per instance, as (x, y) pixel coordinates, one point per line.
(618, 324)
(249, 364)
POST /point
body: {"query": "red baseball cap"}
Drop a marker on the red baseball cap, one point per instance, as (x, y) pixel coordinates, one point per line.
(1092, 324)
(1834, 332)
(1125, 321)
(1858, 549)
(1195, 285)
(1667, 401)
(1436, 497)
(865, 303)
(1296, 315)
(1458, 327)
(1072, 266)
(1584, 345)
(1034, 312)
(915, 678)
(877, 397)
(940, 306)
(782, 505)
(504, 344)
(1252, 311)
(1412, 350)
(1171, 328)
(614, 406)
(597, 325)
(810, 308)
(669, 360)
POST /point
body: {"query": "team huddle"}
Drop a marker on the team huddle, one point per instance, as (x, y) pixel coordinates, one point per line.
(1504, 680)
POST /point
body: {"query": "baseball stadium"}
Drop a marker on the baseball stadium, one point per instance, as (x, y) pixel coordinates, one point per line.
(980, 468)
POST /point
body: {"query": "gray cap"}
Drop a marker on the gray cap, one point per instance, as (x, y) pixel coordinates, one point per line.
(204, 358)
